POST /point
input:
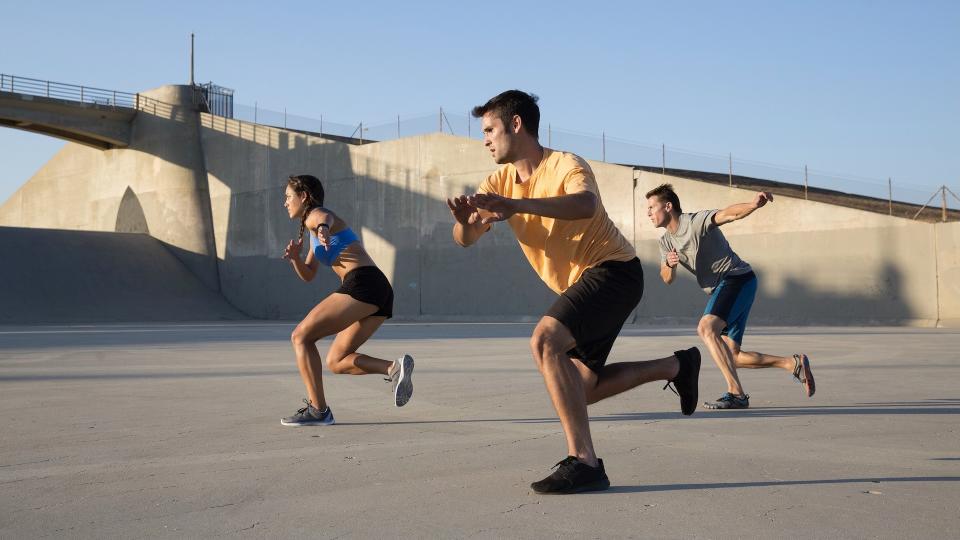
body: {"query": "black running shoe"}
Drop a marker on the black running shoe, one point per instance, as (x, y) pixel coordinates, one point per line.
(687, 381)
(573, 476)
(729, 401)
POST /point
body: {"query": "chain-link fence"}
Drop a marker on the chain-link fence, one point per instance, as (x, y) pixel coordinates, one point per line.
(603, 147)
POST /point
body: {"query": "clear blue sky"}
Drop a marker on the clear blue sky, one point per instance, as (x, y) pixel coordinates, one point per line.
(868, 89)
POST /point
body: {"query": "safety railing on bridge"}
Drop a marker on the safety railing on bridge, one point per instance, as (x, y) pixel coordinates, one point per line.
(207, 97)
(70, 92)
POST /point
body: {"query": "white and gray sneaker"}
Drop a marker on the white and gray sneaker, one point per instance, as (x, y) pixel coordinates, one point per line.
(401, 375)
(310, 416)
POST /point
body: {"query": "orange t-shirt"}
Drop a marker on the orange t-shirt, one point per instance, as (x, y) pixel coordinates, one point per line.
(560, 250)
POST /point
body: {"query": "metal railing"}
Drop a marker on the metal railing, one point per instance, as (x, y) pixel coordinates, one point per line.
(70, 92)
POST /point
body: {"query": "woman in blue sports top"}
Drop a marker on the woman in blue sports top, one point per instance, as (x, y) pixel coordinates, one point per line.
(353, 312)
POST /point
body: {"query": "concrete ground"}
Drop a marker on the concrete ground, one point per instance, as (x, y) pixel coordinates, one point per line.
(173, 431)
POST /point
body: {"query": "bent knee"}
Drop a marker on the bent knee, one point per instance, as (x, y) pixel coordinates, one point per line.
(299, 336)
(546, 347)
(337, 364)
(708, 328)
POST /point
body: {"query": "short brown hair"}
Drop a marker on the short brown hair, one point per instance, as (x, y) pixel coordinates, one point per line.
(512, 103)
(665, 193)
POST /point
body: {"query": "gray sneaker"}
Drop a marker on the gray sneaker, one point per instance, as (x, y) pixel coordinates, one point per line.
(729, 401)
(310, 416)
(401, 375)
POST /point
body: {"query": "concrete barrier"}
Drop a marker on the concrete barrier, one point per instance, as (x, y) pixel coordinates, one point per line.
(59, 276)
(212, 190)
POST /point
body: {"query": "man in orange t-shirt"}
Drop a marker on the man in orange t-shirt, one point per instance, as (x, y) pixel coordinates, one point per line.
(552, 203)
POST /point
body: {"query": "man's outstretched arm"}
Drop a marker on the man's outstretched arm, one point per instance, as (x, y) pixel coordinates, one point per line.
(742, 210)
(580, 205)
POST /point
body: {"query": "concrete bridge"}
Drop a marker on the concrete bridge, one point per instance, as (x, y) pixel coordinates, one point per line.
(95, 117)
(208, 191)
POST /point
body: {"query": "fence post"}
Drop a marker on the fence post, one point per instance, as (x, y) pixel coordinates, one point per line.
(361, 132)
(890, 194)
(284, 118)
(440, 119)
(321, 125)
(730, 167)
(805, 183)
(81, 94)
(603, 145)
(943, 208)
(48, 90)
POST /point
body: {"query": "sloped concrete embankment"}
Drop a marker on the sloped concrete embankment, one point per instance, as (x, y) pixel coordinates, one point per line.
(57, 276)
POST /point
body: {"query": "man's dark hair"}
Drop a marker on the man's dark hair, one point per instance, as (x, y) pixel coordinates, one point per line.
(510, 103)
(665, 193)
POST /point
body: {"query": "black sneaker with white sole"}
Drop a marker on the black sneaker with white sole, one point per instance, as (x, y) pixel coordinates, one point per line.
(309, 416)
(573, 476)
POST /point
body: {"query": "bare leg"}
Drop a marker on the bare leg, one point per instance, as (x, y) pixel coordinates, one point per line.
(756, 360)
(616, 378)
(550, 342)
(709, 330)
(793, 364)
(335, 313)
(343, 356)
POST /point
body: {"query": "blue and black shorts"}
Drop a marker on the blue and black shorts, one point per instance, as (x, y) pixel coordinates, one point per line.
(731, 301)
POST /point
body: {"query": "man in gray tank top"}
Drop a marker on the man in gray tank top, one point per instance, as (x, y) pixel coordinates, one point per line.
(694, 241)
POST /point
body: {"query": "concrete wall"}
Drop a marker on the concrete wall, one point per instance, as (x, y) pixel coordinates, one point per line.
(818, 264)
(60, 276)
(156, 185)
(948, 273)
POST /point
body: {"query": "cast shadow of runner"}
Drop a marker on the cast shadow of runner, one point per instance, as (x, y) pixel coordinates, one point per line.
(776, 483)
(940, 406)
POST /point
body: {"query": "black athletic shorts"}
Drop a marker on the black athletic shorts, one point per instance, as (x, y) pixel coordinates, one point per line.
(596, 306)
(368, 285)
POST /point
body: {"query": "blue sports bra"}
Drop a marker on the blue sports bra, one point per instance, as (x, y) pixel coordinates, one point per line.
(338, 243)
